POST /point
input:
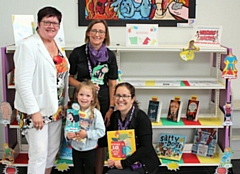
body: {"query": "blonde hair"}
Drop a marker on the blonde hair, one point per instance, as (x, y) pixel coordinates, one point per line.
(94, 103)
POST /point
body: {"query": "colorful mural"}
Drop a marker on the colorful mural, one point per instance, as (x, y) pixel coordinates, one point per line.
(120, 12)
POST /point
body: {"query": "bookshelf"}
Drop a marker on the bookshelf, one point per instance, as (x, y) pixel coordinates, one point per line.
(157, 71)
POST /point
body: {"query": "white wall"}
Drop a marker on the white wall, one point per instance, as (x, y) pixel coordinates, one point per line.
(208, 12)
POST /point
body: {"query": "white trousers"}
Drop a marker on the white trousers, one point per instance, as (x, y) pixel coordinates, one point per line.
(43, 147)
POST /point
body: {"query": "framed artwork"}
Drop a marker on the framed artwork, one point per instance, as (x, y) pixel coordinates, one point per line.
(120, 12)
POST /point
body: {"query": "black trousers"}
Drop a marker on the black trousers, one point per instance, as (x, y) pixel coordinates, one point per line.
(84, 161)
(126, 171)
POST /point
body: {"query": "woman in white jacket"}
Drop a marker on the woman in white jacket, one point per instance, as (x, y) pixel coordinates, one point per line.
(41, 79)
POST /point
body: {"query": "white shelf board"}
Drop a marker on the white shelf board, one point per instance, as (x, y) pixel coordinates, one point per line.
(124, 48)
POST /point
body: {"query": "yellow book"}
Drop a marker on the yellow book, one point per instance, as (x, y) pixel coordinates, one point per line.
(121, 144)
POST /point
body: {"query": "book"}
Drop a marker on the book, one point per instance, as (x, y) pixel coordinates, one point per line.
(154, 110)
(207, 35)
(175, 108)
(72, 121)
(204, 143)
(192, 109)
(121, 143)
(170, 146)
(66, 150)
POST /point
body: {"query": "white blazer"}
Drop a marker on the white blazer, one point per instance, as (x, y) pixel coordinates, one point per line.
(35, 78)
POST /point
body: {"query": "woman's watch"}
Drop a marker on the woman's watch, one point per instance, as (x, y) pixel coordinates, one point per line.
(111, 107)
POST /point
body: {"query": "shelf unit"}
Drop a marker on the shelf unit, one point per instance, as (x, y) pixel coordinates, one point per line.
(235, 130)
(146, 68)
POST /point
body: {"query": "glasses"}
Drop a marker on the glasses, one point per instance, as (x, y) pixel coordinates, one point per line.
(124, 97)
(48, 23)
(100, 32)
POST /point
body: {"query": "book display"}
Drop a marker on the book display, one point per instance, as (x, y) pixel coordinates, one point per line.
(176, 78)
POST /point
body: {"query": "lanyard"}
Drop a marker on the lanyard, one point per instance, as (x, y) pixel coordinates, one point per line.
(120, 125)
(89, 64)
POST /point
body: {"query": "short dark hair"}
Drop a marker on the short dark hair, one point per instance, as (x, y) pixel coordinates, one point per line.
(49, 12)
(131, 89)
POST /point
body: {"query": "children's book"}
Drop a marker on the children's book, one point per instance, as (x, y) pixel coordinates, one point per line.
(77, 120)
(72, 121)
(192, 109)
(207, 35)
(170, 146)
(175, 108)
(121, 143)
(66, 150)
(204, 143)
(154, 109)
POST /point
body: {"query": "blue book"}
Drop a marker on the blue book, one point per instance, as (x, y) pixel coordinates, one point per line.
(154, 110)
(204, 143)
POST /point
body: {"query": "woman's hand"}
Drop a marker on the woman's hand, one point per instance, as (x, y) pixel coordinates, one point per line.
(107, 117)
(111, 163)
(118, 165)
(37, 120)
(97, 87)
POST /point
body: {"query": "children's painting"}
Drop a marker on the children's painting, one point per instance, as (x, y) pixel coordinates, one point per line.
(120, 12)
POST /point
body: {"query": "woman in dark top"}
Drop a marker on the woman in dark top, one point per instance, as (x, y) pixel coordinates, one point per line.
(129, 116)
(86, 61)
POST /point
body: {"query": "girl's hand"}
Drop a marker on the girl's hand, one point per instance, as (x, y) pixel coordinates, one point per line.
(82, 134)
(71, 135)
(111, 163)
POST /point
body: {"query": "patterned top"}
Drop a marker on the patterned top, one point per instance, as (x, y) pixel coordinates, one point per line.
(25, 121)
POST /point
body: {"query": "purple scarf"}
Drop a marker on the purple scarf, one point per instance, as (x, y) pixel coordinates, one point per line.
(100, 55)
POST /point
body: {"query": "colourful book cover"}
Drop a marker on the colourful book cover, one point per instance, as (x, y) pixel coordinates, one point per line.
(174, 111)
(72, 121)
(192, 109)
(154, 110)
(66, 150)
(204, 143)
(170, 146)
(121, 143)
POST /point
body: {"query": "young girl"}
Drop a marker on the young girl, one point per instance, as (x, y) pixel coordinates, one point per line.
(92, 128)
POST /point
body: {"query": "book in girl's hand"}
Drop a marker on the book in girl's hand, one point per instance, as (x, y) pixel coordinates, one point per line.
(154, 109)
(204, 143)
(192, 109)
(121, 143)
(175, 108)
(170, 146)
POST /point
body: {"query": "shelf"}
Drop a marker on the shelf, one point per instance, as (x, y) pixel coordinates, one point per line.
(124, 48)
(187, 83)
(183, 123)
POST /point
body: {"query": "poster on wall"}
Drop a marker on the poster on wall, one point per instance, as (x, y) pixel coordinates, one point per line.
(207, 35)
(142, 35)
(120, 12)
(23, 27)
